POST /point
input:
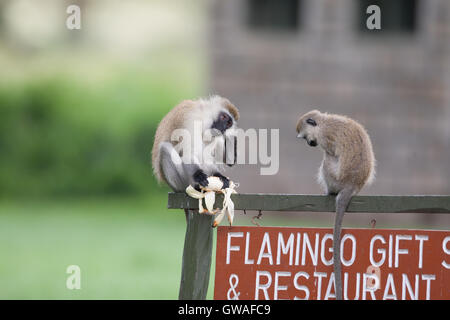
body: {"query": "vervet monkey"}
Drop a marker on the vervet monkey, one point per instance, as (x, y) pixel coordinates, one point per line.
(181, 155)
(347, 166)
(193, 141)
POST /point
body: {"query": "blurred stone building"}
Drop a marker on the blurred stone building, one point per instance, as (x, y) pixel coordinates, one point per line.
(278, 59)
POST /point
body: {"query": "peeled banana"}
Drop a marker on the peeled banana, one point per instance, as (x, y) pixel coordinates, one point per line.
(209, 194)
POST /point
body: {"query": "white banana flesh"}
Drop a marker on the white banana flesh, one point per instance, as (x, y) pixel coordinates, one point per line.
(209, 194)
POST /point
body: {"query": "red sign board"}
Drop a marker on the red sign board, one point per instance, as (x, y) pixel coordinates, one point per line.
(297, 263)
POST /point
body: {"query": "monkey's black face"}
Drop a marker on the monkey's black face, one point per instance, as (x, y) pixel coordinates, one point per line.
(223, 122)
(309, 141)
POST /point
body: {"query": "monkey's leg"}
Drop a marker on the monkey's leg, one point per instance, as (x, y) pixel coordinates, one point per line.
(194, 173)
(173, 169)
(178, 174)
(342, 201)
(172, 166)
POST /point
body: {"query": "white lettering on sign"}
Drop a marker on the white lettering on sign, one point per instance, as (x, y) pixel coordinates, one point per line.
(285, 248)
(297, 263)
(378, 253)
(319, 276)
(390, 287)
(446, 251)
(312, 253)
(265, 247)
(229, 246)
(353, 257)
(279, 287)
(421, 239)
(406, 285)
(399, 251)
(390, 250)
(356, 297)
(326, 262)
(331, 288)
(428, 278)
(301, 287)
(264, 287)
(247, 249)
(382, 252)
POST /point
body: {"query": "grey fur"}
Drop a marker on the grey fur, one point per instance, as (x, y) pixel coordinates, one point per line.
(348, 165)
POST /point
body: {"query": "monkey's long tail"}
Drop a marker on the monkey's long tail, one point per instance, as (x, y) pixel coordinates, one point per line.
(342, 201)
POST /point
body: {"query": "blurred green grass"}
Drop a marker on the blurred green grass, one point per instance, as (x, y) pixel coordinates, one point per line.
(127, 248)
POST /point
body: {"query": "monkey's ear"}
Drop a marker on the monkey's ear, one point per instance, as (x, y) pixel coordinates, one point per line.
(311, 122)
(232, 109)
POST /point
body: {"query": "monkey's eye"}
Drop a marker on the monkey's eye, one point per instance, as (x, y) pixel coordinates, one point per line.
(223, 117)
(311, 122)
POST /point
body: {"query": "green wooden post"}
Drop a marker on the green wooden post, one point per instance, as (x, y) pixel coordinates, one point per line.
(196, 265)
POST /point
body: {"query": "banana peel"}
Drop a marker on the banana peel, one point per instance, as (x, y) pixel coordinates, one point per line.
(209, 194)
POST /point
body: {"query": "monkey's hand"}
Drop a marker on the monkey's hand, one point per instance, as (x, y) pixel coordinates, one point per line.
(201, 178)
(225, 180)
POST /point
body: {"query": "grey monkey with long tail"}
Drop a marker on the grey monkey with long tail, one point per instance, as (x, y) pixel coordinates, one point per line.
(347, 166)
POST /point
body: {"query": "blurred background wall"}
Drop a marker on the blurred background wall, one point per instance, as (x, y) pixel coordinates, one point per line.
(279, 59)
